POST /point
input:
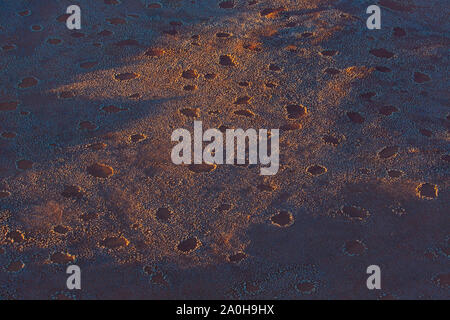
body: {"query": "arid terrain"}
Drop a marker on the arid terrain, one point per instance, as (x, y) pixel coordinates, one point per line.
(86, 176)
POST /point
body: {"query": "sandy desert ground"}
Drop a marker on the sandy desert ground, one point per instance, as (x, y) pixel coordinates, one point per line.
(86, 176)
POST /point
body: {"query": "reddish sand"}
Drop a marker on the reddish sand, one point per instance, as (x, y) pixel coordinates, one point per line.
(86, 177)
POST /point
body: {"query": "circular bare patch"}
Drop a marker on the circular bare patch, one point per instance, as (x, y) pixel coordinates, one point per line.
(115, 242)
(164, 214)
(306, 287)
(354, 212)
(24, 164)
(202, 168)
(100, 170)
(62, 258)
(296, 111)
(28, 82)
(427, 191)
(188, 245)
(316, 170)
(237, 257)
(282, 219)
(354, 248)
